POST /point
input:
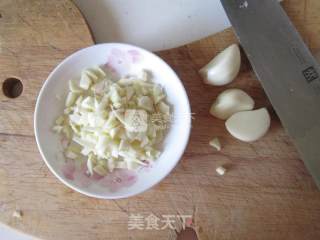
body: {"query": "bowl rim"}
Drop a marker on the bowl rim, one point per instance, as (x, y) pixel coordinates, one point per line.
(79, 189)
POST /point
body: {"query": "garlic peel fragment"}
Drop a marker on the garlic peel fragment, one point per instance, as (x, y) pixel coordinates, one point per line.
(222, 69)
(229, 102)
(249, 126)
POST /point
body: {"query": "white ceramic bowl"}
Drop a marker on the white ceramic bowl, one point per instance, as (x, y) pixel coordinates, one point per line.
(125, 59)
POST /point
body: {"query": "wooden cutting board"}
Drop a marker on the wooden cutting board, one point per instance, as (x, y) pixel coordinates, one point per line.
(267, 192)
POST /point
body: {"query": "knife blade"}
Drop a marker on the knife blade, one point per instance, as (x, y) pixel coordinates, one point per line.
(286, 69)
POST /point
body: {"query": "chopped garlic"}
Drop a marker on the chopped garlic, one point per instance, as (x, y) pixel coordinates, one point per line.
(145, 103)
(107, 122)
(221, 170)
(102, 171)
(90, 164)
(145, 76)
(17, 214)
(85, 81)
(215, 142)
(73, 87)
(57, 129)
(60, 120)
(71, 154)
(71, 98)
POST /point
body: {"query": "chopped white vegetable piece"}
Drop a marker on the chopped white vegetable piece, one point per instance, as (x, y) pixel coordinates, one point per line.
(67, 131)
(57, 129)
(221, 170)
(230, 102)
(102, 145)
(67, 110)
(131, 165)
(114, 131)
(99, 169)
(144, 141)
(124, 145)
(111, 122)
(79, 101)
(91, 74)
(99, 72)
(17, 214)
(75, 118)
(71, 98)
(164, 108)
(119, 114)
(86, 151)
(249, 126)
(70, 154)
(90, 164)
(103, 103)
(215, 142)
(126, 81)
(145, 103)
(121, 165)
(95, 120)
(158, 94)
(85, 81)
(74, 128)
(98, 88)
(60, 120)
(73, 87)
(82, 142)
(129, 92)
(145, 75)
(157, 90)
(115, 96)
(111, 164)
(88, 103)
(74, 148)
(223, 68)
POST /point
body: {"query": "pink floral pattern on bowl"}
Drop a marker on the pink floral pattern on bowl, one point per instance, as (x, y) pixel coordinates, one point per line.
(119, 178)
(120, 61)
(114, 181)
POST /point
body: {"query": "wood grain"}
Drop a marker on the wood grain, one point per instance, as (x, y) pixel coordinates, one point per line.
(266, 194)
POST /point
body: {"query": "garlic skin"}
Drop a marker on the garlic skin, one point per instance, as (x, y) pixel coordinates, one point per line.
(249, 126)
(230, 102)
(222, 69)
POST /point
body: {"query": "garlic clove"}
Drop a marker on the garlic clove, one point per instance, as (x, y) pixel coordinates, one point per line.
(222, 69)
(17, 214)
(221, 170)
(215, 142)
(230, 102)
(249, 126)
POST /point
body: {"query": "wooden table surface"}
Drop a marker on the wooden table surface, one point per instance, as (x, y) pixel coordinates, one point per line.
(267, 192)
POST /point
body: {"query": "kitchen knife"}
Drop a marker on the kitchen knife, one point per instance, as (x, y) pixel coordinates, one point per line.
(287, 70)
